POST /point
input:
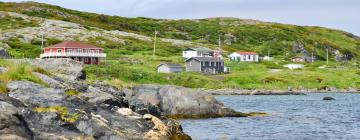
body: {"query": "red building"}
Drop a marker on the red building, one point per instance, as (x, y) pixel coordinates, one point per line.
(88, 54)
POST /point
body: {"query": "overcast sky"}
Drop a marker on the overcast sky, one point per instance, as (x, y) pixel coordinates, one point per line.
(338, 14)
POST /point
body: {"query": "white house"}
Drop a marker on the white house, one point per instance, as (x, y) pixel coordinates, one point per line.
(169, 68)
(244, 56)
(198, 52)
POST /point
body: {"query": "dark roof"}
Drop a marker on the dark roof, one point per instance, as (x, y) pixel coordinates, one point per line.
(211, 59)
(171, 65)
(73, 44)
(203, 49)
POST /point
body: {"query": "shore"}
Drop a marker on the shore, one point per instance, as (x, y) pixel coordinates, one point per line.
(275, 92)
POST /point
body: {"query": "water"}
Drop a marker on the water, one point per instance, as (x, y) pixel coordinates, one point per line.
(292, 118)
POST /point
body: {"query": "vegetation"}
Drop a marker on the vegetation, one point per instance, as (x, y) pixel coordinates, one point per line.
(72, 92)
(132, 63)
(15, 71)
(62, 111)
(8, 22)
(236, 34)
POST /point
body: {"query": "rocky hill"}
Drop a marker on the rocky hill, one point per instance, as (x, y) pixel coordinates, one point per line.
(236, 34)
(128, 43)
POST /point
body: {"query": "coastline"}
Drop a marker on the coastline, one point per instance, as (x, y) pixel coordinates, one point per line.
(275, 92)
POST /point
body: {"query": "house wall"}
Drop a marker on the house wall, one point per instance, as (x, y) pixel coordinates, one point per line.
(189, 54)
(193, 66)
(244, 58)
(212, 67)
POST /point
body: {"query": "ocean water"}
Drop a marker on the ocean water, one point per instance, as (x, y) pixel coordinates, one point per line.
(305, 117)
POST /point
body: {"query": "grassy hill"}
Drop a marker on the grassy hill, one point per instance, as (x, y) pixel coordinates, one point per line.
(236, 34)
(130, 60)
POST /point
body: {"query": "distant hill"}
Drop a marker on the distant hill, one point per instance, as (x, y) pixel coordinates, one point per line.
(284, 41)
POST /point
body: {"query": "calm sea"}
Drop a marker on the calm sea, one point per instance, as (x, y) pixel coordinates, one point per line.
(305, 117)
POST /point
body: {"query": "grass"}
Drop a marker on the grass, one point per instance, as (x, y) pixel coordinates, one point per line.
(62, 111)
(132, 63)
(18, 72)
(72, 92)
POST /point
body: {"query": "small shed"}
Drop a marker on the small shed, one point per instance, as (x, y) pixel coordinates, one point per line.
(169, 68)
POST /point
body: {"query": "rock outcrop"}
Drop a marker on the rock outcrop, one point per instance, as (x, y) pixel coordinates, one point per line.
(68, 108)
(178, 102)
(65, 68)
(32, 111)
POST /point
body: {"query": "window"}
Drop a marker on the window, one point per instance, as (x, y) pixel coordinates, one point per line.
(206, 63)
(249, 57)
(202, 63)
(212, 64)
(78, 50)
(59, 50)
(69, 50)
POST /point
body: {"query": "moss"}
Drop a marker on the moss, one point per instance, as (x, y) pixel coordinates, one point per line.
(72, 92)
(61, 111)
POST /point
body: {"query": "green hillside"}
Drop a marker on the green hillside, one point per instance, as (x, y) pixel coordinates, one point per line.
(236, 34)
(130, 60)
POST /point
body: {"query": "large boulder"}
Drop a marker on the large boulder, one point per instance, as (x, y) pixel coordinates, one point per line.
(176, 101)
(33, 94)
(67, 68)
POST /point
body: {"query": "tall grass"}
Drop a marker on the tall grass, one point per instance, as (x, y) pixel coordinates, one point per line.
(17, 72)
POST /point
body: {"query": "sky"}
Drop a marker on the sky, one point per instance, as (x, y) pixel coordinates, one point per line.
(337, 14)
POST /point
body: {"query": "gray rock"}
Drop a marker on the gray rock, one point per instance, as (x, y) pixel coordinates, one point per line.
(175, 100)
(4, 53)
(50, 81)
(67, 68)
(12, 125)
(34, 94)
(3, 69)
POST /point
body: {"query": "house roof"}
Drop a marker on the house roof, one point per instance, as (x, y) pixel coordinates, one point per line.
(202, 49)
(247, 53)
(171, 65)
(73, 44)
(211, 59)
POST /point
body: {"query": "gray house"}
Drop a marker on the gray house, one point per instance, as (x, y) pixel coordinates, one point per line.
(208, 65)
(169, 68)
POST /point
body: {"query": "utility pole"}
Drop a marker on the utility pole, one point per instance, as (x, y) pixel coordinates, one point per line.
(42, 41)
(219, 42)
(155, 34)
(327, 55)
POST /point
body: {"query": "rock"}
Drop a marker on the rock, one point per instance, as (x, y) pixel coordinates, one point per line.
(67, 68)
(94, 114)
(3, 69)
(12, 125)
(34, 94)
(50, 81)
(4, 45)
(162, 131)
(178, 101)
(4, 53)
(328, 98)
(128, 113)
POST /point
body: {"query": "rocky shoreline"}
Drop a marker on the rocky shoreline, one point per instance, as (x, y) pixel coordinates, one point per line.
(65, 107)
(277, 92)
